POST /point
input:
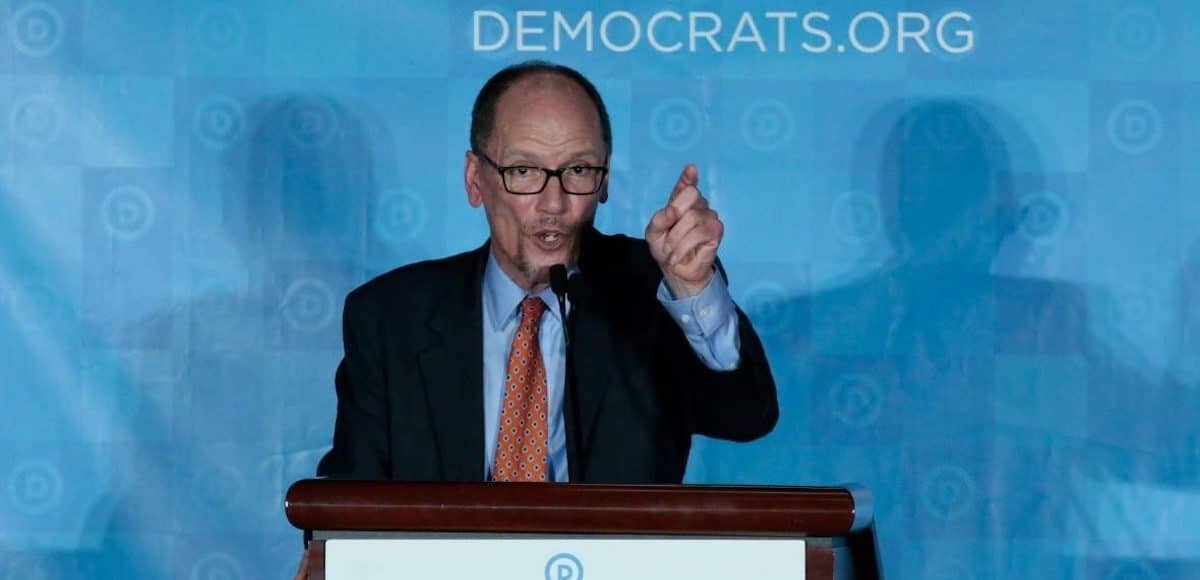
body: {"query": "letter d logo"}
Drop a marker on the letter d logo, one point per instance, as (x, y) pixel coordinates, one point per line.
(564, 566)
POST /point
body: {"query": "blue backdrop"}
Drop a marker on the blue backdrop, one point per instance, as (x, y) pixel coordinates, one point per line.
(967, 232)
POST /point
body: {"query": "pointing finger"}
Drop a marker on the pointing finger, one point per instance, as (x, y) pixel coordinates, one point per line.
(687, 199)
(690, 176)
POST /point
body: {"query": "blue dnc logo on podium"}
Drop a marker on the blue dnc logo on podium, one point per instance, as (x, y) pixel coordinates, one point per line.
(564, 566)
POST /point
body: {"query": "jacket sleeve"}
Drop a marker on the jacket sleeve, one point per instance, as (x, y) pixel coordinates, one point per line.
(360, 434)
(739, 404)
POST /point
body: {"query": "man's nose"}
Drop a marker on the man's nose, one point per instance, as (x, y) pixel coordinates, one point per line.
(552, 199)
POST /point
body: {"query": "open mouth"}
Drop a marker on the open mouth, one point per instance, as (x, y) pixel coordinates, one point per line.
(550, 240)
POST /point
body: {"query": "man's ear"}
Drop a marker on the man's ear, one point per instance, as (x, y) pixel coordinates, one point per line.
(471, 180)
(604, 190)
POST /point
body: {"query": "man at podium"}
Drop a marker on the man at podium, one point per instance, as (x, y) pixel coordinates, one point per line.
(495, 365)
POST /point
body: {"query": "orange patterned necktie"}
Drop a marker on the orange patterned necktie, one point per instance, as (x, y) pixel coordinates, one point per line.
(521, 448)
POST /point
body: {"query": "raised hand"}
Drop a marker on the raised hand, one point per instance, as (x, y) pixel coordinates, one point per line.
(684, 237)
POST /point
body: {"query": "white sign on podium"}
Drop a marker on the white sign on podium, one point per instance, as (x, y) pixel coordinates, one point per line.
(571, 558)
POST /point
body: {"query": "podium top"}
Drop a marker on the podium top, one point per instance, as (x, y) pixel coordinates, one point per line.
(339, 505)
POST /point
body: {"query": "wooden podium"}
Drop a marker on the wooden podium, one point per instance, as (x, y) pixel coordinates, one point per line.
(834, 522)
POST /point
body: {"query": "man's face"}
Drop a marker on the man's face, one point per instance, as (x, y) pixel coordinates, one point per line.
(543, 121)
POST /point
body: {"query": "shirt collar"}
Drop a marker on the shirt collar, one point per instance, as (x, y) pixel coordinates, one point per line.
(502, 295)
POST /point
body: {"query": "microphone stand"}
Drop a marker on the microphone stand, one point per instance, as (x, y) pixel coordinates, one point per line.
(558, 284)
(562, 286)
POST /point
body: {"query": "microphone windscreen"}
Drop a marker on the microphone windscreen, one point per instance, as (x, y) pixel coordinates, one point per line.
(558, 279)
(575, 287)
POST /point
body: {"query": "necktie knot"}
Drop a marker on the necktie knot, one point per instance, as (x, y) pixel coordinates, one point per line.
(532, 308)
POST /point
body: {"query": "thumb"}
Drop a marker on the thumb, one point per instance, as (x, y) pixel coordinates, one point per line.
(662, 221)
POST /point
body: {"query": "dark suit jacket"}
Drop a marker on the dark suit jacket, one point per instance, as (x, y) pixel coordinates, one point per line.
(410, 388)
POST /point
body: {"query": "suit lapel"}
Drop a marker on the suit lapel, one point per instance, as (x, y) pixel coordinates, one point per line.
(594, 363)
(452, 372)
(595, 359)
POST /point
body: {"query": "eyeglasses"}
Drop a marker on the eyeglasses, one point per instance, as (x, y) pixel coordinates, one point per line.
(529, 180)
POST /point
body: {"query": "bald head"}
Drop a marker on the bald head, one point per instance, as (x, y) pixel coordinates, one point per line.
(533, 75)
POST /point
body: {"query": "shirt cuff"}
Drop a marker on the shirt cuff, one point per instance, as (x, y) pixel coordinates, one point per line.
(702, 314)
(708, 321)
